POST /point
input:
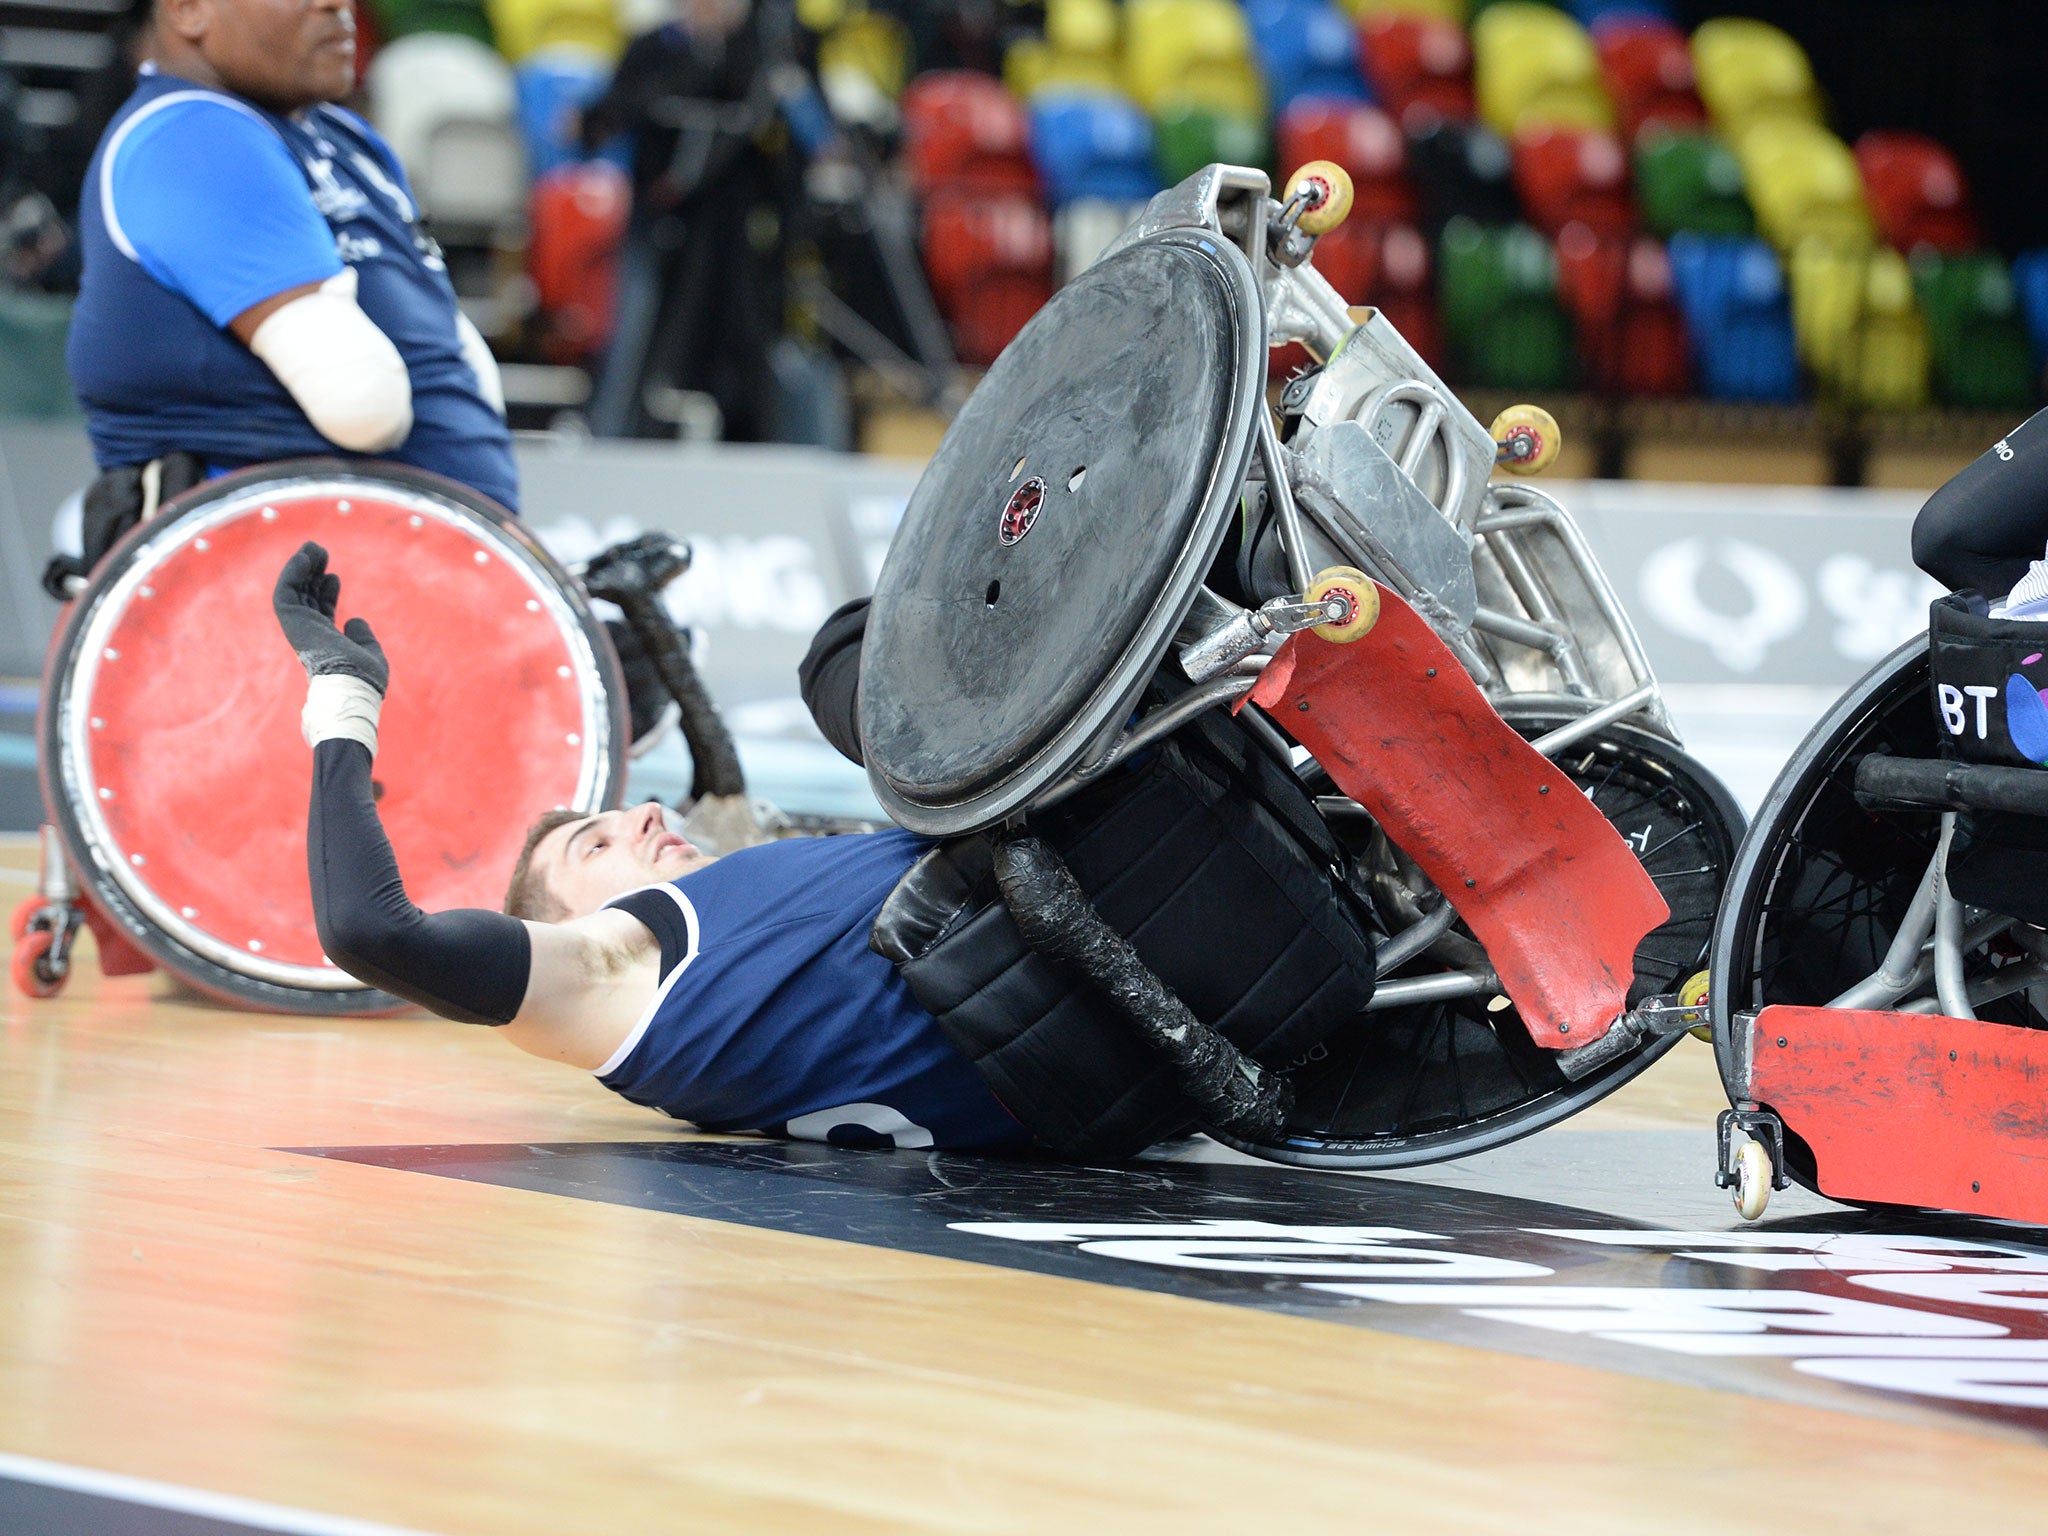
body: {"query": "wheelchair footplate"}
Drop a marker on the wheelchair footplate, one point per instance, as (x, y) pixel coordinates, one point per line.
(1910, 1108)
(1539, 875)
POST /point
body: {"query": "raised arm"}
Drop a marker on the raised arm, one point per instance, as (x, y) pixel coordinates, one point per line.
(566, 988)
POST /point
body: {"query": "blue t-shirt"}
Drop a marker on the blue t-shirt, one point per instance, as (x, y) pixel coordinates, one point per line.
(774, 1015)
(199, 205)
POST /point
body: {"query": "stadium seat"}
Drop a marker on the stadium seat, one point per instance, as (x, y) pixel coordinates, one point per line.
(1386, 266)
(2030, 281)
(962, 130)
(1732, 294)
(553, 85)
(1687, 180)
(1750, 72)
(1080, 51)
(1501, 315)
(1452, 11)
(1304, 48)
(1572, 176)
(33, 378)
(1917, 192)
(990, 259)
(460, 18)
(1193, 52)
(1092, 146)
(423, 83)
(1463, 170)
(1186, 138)
(1364, 141)
(1593, 13)
(577, 217)
(866, 58)
(1618, 292)
(1419, 67)
(1857, 326)
(523, 27)
(1803, 183)
(1647, 67)
(1533, 66)
(1981, 357)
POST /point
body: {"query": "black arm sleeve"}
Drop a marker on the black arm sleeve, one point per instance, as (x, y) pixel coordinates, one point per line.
(829, 676)
(467, 965)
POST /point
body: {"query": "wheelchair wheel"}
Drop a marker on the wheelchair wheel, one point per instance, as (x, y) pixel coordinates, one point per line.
(1434, 1081)
(1821, 884)
(169, 741)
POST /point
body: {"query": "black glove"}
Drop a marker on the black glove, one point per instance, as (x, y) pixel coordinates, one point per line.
(304, 599)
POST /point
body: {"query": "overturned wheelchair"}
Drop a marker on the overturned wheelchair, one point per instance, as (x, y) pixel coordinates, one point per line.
(173, 779)
(1879, 982)
(1115, 540)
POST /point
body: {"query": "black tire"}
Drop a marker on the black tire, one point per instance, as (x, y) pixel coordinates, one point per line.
(1821, 884)
(201, 972)
(1442, 1080)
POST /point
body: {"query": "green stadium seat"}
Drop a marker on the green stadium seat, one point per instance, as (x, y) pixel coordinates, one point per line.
(1188, 137)
(33, 380)
(401, 18)
(1691, 181)
(1981, 357)
(1498, 294)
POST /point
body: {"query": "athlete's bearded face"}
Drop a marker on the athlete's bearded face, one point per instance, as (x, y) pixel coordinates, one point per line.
(282, 54)
(586, 863)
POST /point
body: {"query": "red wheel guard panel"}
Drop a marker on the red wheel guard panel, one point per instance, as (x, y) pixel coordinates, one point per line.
(1911, 1108)
(201, 777)
(1541, 878)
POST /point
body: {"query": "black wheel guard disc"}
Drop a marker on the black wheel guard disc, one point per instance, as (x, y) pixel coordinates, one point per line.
(1061, 531)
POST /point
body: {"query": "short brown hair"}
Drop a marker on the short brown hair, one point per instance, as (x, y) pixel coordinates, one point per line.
(529, 896)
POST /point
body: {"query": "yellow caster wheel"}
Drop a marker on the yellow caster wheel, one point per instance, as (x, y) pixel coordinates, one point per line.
(1357, 590)
(1691, 995)
(1329, 195)
(1526, 439)
(1752, 1179)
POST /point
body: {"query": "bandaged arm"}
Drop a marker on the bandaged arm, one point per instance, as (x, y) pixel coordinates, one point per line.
(344, 373)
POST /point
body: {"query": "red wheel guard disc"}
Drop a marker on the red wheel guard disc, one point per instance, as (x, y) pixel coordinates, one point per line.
(182, 725)
(1534, 869)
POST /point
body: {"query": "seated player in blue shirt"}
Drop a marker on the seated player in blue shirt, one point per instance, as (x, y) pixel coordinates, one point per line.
(256, 282)
(744, 994)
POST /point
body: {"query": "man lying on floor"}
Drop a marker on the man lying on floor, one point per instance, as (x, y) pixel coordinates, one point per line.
(806, 987)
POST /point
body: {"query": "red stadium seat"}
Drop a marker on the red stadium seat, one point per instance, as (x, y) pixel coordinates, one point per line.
(577, 216)
(1362, 139)
(1618, 291)
(1574, 176)
(1647, 64)
(1917, 192)
(990, 262)
(964, 131)
(1386, 266)
(1420, 67)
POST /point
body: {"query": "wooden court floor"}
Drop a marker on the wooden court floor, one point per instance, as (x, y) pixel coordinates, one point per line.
(182, 1301)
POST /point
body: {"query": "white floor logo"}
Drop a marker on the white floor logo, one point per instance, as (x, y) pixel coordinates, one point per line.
(1872, 1341)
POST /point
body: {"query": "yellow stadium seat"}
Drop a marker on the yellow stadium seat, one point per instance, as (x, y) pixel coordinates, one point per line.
(869, 45)
(1078, 52)
(1443, 10)
(1803, 184)
(1192, 52)
(1535, 67)
(1749, 72)
(1859, 326)
(522, 26)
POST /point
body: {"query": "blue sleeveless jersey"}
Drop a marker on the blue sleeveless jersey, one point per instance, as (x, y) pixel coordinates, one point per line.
(774, 1015)
(199, 205)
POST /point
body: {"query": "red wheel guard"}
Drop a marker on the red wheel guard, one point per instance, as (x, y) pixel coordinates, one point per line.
(1911, 1108)
(1542, 879)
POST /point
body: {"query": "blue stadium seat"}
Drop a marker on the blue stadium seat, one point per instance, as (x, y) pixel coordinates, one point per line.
(1305, 48)
(554, 85)
(1092, 145)
(1590, 11)
(1738, 315)
(2030, 277)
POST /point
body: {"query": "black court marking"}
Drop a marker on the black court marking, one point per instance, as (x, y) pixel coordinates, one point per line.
(1934, 1320)
(49, 1499)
